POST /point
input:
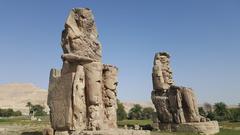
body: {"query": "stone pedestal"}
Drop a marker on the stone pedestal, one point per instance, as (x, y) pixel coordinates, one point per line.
(203, 128)
(115, 132)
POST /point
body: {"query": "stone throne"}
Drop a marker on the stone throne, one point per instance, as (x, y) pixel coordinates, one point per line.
(82, 95)
(176, 106)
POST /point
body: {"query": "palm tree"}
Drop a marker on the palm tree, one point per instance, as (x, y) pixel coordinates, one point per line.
(220, 109)
(29, 105)
(136, 112)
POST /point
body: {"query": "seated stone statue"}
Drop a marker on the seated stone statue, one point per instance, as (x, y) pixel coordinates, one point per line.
(174, 104)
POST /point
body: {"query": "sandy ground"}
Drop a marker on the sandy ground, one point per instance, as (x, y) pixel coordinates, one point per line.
(21, 130)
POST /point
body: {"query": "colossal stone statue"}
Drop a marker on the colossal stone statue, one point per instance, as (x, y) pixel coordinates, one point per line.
(77, 98)
(83, 95)
(174, 105)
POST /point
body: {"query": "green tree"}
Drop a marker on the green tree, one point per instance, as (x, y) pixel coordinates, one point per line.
(136, 112)
(234, 115)
(121, 113)
(18, 113)
(9, 112)
(221, 111)
(29, 105)
(38, 110)
(211, 115)
(147, 113)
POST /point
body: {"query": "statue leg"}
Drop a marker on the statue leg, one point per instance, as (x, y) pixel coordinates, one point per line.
(190, 106)
(93, 76)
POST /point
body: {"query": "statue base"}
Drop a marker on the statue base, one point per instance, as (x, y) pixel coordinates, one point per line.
(203, 128)
(103, 132)
(116, 132)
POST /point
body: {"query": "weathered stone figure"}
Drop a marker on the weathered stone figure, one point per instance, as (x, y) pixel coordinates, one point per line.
(83, 94)
(175, 105)
(110, 95)
(76, 92)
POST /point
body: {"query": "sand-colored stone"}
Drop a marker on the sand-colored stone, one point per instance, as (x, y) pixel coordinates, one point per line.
(83, 95)
(3, 131)
(175, 105)
(115, 132)
(79, 38)
(93, 78)
(162, 108)
(206, 128)
(79, 100)
(60, 101)
(110, 83)
(61, 133)
(48, 131)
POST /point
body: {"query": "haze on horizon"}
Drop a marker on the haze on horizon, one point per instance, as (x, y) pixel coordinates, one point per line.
(202, 38)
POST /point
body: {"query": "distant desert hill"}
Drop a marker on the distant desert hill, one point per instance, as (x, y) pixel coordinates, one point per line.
(128, 105)
(17, 95)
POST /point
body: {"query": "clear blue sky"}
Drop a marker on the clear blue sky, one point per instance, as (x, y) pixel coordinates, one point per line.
(202, 36)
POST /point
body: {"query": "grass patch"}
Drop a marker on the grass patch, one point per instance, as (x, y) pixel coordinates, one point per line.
(229, 132)
(171, 133)
(227, 128)
(28, 127)
(134, 122)
(23, 120)
(229, 125)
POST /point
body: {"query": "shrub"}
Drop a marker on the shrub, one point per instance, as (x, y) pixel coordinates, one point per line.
(9, 112)
(121, 113)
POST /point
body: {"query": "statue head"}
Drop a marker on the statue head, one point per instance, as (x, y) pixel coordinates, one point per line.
(161, 58)
(80, 36)
(162, 74)
(85, 20)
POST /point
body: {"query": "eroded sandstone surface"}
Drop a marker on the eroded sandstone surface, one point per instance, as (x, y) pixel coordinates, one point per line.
(175, 105)
(83, 95)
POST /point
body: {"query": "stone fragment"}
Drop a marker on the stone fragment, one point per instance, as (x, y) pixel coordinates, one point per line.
(61, 133)
(60, 101)
(3, 131)
(48, 131)
(136, 127)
